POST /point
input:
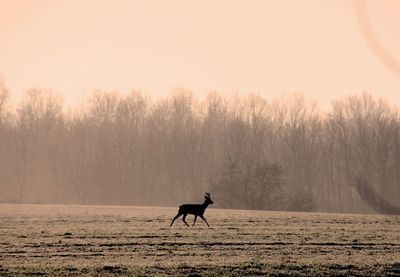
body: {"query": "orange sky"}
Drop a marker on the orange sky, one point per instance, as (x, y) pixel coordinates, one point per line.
(265, 47)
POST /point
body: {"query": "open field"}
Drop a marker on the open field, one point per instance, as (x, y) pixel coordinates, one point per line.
(99, 240)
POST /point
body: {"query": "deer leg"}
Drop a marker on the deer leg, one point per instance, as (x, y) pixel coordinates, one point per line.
(178, 215)
(195, 217)
(202, 217)
(183, 219)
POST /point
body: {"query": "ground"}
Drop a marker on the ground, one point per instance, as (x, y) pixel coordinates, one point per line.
(104, 241)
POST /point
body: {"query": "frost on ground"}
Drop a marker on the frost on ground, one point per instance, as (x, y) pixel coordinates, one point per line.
(98, 240)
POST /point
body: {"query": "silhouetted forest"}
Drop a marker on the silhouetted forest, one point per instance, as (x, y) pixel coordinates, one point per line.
(248, 151)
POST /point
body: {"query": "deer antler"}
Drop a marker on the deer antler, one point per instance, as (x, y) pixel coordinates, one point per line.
(208, 194)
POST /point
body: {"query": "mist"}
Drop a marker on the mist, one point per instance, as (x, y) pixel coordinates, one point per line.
(188, 138)
(248, 151)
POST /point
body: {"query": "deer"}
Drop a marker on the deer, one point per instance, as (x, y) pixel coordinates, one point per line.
(194, 209)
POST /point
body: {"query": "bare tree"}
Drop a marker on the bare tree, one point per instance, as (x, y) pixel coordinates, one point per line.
(281, 154)
(7, 183)
(250, 185)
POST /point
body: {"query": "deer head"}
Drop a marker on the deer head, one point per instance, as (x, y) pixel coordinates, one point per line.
(207, 196)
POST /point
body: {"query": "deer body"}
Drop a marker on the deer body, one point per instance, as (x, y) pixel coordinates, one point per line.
(194, 209)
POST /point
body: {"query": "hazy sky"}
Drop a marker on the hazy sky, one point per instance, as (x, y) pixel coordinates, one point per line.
(265, 47)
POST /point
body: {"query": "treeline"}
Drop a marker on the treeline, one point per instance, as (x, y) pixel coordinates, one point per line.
(283, 154)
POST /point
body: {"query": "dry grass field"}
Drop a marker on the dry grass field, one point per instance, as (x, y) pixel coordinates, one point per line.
(103, 241)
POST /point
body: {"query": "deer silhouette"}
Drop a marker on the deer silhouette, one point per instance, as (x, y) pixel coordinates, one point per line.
(194, 209)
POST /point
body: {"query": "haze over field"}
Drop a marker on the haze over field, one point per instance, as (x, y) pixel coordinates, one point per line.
(275, 123)
(268, 148)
